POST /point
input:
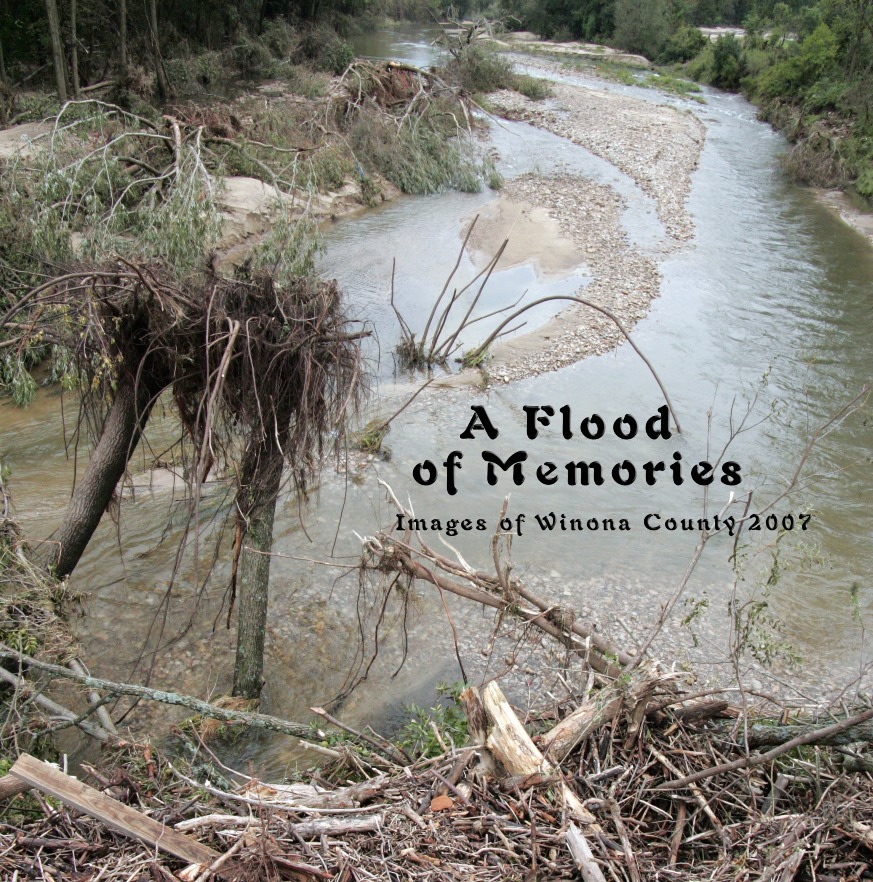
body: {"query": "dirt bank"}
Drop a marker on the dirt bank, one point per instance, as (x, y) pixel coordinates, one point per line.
(842, 206)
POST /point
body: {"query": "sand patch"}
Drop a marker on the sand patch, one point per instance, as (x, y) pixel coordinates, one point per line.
(535, 238)
(843, 207)
(18, 139)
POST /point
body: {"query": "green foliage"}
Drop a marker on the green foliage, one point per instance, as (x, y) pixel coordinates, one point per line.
(615, 71)
(641, 26)
(21, 385)
(535, 88)
(305, 82)
(562, 20)
(253, 58)
(727, 62)
(682, 45)
(84, 197)
(792, 76)
(474, 358)
(279, 37)
(492, 175)
(424, 158)
(372, 436)
(674, 85)
(418, 734)
(478, 69)
(864, 183)
(328, 169)
(288, 251)
(324, 49)
(808, 65)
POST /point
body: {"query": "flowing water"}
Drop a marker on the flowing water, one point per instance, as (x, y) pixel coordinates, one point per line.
(770, 307)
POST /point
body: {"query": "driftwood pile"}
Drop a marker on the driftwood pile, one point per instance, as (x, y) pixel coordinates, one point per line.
(626, 777)
(602, 789)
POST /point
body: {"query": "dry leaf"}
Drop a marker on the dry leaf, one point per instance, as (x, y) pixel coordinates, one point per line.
(441, 803)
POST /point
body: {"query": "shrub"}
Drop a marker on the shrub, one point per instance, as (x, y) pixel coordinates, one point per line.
(864, 184)
(253, 59)
(209, 68)
(534, 88)
(682, 46)
(727, 62)
(700, 68)
(819, 159)
(420, 159)
(478, 69)
(641, 26)
(279, 37)
(325, 50)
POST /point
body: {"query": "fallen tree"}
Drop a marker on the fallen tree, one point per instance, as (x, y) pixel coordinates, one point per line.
(261, 374)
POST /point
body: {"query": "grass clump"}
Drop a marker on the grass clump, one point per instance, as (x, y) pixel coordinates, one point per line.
(665, 82)
(418, 160)
(371, 438)
(480, 70)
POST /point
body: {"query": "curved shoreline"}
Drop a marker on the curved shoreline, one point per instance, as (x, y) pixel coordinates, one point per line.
(657, 147)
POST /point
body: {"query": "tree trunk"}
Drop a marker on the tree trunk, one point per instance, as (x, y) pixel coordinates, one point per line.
(160, 73)
(74, 51)
(54, 24)
(261, 477)
(121, 433)
(122, 32)
(3, 78)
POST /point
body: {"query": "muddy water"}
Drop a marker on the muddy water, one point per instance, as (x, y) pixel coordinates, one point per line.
(769, 307)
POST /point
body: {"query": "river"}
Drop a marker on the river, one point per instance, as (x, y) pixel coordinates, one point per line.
(770, 303)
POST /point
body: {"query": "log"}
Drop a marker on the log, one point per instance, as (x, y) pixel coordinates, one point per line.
(255, 720)
(763, 734)
(510, 743)
(10, 785)
(477, 731)
(575, 727)
(508, 739)
(89, 728)
(115, 815)
(307, 796)
(310, 829)
(599, 710)
(76, 666)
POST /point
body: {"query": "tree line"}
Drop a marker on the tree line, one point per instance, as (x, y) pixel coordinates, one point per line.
(76, 43)
(807, 64)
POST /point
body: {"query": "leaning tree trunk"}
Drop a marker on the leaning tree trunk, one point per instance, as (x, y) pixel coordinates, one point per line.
(261, 477)
(121, 432)
(160, 71)
(54, 25)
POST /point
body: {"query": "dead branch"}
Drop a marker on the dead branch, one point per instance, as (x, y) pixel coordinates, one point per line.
(386, 552)
(253, 720)
(809, 737)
